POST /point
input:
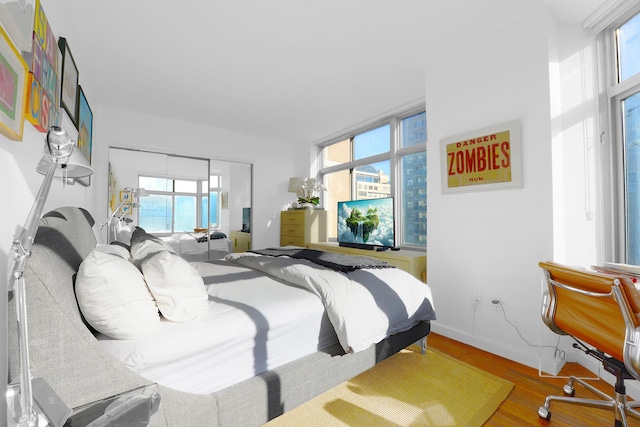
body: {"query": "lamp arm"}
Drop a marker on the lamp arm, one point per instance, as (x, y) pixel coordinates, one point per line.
(122, 202)
(21, 248)
(112, 214)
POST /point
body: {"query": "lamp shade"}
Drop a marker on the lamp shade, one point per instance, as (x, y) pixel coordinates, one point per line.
(294, 183)
(59, 148)
(141, 192)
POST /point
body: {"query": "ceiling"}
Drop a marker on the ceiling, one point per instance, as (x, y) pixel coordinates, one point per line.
(288, 70)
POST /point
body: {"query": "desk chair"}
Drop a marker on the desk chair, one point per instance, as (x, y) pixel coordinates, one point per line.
(602, 313)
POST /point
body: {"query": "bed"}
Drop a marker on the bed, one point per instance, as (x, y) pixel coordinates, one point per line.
(200, 246)
(254, 339)
(197, 246)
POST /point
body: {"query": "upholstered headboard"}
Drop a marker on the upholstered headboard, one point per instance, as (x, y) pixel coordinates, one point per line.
(61, 348)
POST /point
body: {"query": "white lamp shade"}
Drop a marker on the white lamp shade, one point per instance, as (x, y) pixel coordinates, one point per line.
(294, 182)
(59, 148)
(141, 192)
(75, 166)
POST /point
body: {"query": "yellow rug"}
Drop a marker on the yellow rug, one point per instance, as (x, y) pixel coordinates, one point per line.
(408, 389)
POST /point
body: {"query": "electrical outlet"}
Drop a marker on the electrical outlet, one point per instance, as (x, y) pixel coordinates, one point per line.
(476, 300)
(496, 304)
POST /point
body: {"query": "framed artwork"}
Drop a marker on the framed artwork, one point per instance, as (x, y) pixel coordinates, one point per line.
(17, 20)
(13, 89)
(85, 131)
(484, 159)
(126, 200)
(69, 84)
(43, 93)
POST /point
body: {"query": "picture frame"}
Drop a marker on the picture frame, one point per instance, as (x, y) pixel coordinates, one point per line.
(69, 82)
(85, 131)
(483, 159)
(13, 88)
(17, 18)
(126, 208)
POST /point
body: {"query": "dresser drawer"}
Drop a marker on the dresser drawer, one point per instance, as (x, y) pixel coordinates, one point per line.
(292, 218)
(295, 230)
(292, 241)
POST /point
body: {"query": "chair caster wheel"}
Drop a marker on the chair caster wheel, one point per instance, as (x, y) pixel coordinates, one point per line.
(544, 413)
(569, 390)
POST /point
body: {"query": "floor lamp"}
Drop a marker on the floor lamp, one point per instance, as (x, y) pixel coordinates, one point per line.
(61, 160)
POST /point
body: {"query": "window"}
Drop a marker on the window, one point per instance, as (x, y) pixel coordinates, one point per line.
(173, 205)
(215, 188)
(624, 100)
(386, 159)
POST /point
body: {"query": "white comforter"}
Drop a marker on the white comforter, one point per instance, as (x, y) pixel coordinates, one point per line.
(364, 306)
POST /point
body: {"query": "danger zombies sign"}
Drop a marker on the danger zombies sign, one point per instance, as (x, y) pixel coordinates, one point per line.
(483, 159)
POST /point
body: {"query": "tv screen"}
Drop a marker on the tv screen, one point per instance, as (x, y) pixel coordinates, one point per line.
(246, 220)
(366, 224)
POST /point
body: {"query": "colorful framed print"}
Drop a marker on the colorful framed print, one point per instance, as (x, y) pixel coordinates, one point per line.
(13, 89)
(85, 131)
(69, 84)
(43, 93)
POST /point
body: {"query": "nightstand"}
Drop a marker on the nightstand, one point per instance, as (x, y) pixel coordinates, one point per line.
(300, 227)
(241, 241)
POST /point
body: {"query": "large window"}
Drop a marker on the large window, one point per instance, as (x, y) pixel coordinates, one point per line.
(383, 160)
(173, 205)
(623, 62)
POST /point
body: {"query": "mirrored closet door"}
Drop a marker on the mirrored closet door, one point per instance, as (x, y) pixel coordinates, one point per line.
(196, 205)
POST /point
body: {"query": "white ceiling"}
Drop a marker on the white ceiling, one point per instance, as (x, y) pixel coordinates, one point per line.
(289, 70)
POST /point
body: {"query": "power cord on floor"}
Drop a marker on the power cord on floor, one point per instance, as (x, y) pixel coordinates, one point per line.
(504, 313)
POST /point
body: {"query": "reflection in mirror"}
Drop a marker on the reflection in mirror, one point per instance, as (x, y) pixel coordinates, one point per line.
(193, 204)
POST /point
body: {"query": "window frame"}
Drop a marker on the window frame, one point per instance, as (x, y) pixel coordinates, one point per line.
(394, 156)
(611, 119)
(198, 194)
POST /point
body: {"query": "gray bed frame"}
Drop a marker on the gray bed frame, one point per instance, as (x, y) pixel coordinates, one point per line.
(64, 351)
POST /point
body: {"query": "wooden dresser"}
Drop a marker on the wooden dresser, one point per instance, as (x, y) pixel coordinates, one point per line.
(303, 226)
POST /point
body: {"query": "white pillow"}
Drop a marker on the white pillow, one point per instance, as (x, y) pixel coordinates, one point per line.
(177, 287)
(113, 295)
(146, 244)
(123, 233)
(115, 249)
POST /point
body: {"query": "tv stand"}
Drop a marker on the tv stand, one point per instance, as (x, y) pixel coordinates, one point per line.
(357, 246)
(413, 262)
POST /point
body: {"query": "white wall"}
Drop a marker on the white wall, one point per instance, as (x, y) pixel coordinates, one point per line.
(491, 242)
(578, 217)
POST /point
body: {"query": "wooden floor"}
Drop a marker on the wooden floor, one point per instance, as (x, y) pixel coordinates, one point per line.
(521, 407)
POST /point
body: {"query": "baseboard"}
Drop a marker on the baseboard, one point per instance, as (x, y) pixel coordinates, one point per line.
(551, 366)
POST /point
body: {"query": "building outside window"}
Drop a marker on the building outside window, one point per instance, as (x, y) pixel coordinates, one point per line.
(387, 159)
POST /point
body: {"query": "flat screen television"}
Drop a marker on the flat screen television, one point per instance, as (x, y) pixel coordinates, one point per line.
(366, 224)
(246, 220)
